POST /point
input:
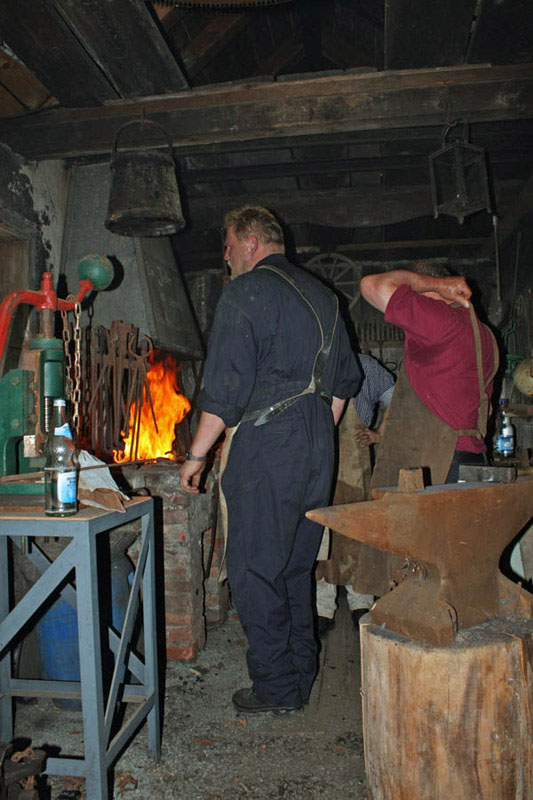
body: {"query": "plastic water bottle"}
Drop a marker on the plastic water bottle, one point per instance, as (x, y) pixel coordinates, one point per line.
(505, 441)
(60, 467)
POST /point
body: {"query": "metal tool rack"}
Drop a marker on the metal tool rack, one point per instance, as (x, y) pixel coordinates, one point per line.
(98, 708)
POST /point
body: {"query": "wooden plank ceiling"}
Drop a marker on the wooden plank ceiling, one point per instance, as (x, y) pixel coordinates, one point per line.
(325, 110)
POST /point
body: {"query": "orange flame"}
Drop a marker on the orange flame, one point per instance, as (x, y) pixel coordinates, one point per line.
(170, 407)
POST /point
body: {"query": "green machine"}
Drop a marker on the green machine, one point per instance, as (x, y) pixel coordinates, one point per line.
(27, 394)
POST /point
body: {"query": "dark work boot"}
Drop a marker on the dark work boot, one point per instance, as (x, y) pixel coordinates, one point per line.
(247, 702)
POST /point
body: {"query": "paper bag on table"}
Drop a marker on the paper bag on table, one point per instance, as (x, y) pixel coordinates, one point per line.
(96, 487)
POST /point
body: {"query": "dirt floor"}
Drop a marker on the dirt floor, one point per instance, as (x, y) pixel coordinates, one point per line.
(211, 753)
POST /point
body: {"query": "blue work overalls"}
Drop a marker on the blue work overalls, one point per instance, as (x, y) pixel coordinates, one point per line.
(263, 348)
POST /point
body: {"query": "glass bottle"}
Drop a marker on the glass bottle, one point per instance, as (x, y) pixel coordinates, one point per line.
(505, 444)
(60, 467)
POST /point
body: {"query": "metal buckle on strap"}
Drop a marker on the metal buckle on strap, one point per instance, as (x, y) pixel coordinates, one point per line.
(269, 413)
(266, 414)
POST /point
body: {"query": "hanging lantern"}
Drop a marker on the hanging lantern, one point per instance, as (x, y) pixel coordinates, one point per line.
(459, 179)
(144, 199)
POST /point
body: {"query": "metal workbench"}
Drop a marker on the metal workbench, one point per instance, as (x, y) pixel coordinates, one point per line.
(99, 706)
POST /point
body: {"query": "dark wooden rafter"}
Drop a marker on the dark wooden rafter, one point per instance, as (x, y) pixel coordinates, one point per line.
(23, 89)
(322, 167)
(286, 54)
(11, 105)
(125, 41)
(419, 33)
(356, 207)
(411, 141)
(169, 16)
(370, 11)
(310, 17)
(40, 37)
(411, 244)
(305, 107)
(342, 208)
(191, 259)
(349, 38)
(519, 208)
(502, 32)
(211, 40)
(337, 50)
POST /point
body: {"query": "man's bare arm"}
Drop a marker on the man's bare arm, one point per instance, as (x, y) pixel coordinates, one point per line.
(378, 289)
(210, 426)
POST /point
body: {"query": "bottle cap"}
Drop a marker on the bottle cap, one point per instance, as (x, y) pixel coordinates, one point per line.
(59, 401)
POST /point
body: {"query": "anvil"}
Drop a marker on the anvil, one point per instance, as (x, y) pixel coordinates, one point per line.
(453, 536)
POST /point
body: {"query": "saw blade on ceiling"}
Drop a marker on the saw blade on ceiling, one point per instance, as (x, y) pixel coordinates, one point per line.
(221, 3)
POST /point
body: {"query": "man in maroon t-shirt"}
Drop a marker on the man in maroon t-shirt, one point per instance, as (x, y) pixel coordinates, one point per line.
(440, 353)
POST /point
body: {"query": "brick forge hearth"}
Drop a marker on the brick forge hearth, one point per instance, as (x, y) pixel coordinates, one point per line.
(184, 525)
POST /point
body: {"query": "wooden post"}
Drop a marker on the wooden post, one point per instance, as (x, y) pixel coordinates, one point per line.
(449, 723)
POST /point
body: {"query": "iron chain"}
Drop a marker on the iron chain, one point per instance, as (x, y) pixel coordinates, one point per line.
(73, 384)
(68, 360)
(76, 389)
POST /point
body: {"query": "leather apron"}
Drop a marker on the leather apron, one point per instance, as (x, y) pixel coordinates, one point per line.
(342, 567)
(415, 437)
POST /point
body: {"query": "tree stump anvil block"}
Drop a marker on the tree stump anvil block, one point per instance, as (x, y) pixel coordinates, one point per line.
(455, 535)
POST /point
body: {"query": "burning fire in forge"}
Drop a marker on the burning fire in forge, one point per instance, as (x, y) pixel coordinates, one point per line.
(170, 408)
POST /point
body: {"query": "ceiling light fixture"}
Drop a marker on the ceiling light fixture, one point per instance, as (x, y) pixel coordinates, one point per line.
(459, 178)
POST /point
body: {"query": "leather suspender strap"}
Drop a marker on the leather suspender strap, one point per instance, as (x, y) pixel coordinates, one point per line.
(264, 415)
(483, 409)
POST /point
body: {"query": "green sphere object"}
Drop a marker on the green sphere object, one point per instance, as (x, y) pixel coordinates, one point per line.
(96, 268)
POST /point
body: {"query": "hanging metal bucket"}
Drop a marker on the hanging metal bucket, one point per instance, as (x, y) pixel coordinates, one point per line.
(144, 198)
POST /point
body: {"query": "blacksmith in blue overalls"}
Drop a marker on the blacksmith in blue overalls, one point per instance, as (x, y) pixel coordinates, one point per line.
(279, 369)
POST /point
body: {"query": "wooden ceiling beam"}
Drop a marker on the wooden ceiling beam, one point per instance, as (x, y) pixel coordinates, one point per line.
(338, 208)
(422, 34)
(269, 110)
(287, 53)
(190, 258)
(124, 40)
(22, 85)
(502, 32)
(39, 36)
(169, 16)
(303, 168)
(356, 207)
(339, 51)
(411, 244)
(211, 40)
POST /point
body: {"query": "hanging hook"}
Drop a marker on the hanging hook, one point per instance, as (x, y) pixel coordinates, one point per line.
(453, 124)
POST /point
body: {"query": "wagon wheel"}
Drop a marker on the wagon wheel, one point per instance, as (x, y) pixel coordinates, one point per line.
(340, 271)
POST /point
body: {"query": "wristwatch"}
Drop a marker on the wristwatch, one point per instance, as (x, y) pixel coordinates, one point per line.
(189, 457)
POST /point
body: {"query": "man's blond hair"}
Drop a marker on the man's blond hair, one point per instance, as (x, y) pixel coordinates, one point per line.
(255, 221)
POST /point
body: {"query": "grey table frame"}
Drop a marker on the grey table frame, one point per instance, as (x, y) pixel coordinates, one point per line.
(98, 712)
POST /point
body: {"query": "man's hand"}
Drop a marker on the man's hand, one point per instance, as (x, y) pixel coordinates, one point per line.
(366, 436)
(190, 474)
(209, 429)
(455, 289)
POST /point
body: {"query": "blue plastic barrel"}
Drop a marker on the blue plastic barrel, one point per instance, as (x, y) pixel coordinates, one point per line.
(57, 630)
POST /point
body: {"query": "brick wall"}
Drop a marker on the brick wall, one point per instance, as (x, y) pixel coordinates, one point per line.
(183, 528)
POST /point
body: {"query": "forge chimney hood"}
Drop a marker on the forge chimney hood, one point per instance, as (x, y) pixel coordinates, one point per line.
(148, 290)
